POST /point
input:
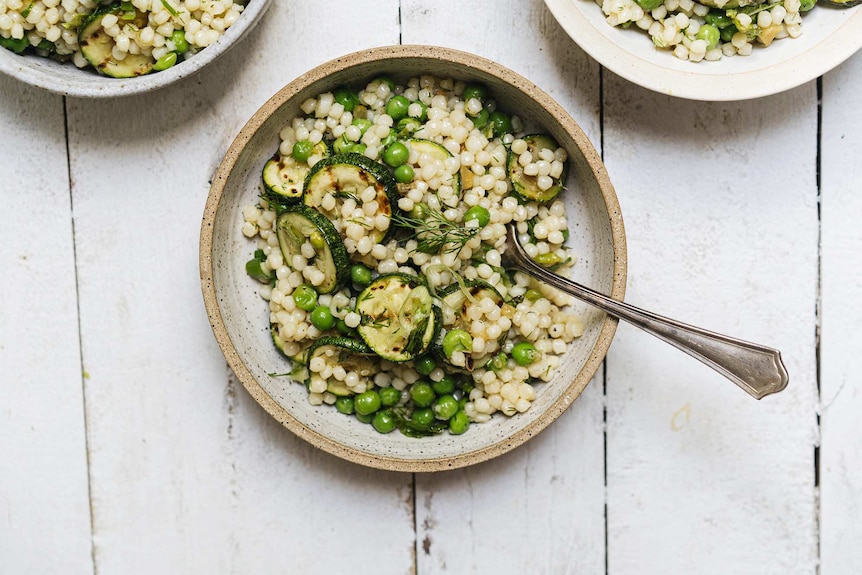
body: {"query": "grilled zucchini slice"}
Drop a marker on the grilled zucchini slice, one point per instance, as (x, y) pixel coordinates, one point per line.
(351, 354)
(527, 186)
(284, 176)
(97, 46)
(299, 224)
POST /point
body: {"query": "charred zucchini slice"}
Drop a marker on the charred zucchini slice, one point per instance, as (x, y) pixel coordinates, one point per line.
(398, 317)
(528, 186)
(97, 46)
(351, 354)
(299, 224)
(346, 176)
(437, 152)
(458, 300)
(284, 176)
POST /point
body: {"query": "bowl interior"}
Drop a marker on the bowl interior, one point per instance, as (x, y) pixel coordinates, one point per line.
(66, 79)
(240, 316)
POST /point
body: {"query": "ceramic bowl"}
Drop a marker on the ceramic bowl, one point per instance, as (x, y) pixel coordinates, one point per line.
(240, 318)
(68, 80)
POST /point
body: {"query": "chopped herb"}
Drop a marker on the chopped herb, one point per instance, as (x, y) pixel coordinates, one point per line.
(26, 11)
(436, 233)
(170, 8)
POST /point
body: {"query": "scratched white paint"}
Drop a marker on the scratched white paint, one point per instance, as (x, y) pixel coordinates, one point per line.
(189, 475)
(44, 512)
(720, 202)
(539, 509)
(840, 312)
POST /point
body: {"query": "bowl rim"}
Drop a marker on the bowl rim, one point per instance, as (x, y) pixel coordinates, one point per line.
(470, 61)
(96, 86)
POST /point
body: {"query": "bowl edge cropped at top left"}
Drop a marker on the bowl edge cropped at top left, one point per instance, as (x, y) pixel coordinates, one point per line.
(68, 80)
(238, 315)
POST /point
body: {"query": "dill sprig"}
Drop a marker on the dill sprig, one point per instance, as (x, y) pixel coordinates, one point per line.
(435, 234)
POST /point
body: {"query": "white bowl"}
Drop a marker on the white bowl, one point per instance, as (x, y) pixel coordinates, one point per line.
(240, 318)
(829, 36)
(68, 80)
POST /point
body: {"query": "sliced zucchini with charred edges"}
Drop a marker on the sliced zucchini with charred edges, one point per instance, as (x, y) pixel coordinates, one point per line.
(299, 224)
(438, 152)
(351, 354)
(97, 46)
(284, 176)
(527, 186)
(455, 299)
(346, 176)
(398, 318)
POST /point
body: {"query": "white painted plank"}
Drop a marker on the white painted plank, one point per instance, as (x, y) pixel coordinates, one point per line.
(540, 508)
(44, 510)
(720, 204)
(188, 473)
(840, 312)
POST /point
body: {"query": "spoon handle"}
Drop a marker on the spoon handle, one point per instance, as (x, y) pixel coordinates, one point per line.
(757, 369)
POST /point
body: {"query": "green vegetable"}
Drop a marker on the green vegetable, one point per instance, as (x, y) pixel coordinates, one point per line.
(471, 91)
(389, 396)
(501, 123)
(434, 233)
(424, 365)
(649, 4)
(346, 97)
(367, 402)
(481, 119)
(422, 394)
(479, 214)
(444, 386)
(16, 46)
(397, 107)
(404, 174)
(406, 126)
(253, 267)
(97, 46)
(344, 329)
(344, 405)
(322, 318)
(384, 421)
(524, 353)
(302, 150)
(365, 418)
(385, 80)
(527, 187)
(362, 123)
(718, 19)
(295, 226)
(305, 297)
(807, 5)
(457, 340)
(360, 274)
(709, 34)
(181, 45)
(422, 417)
(533, 295)
(423, 114)
(396, 155)
(445, 407)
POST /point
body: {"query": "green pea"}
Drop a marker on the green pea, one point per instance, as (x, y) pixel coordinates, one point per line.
(344, 405)
(344, 329)
(424, 365)
(254, 269)
(364, 417)
(807, 5)
(480, 120)
(419, 211)
(302, 150)
(367, 402)
(457, 340)
(384, 421)
(397, 106)
(501, 123)
(389, 396)
(362, 124)
(385, 80)
(404, 174)
(181, 45)
(46, 46)
(390, 138)
(316, 240)
(422, 394)
(459, 423)
(360, 274)
(422, 417)
(498, 362)
(478, 213)
(649, 4)
(357, 149)
(305, 297)
(533, 295)
(548, 259)
(341, 144)
(396, 154)
(322, 318)
(524, 353)
(445, 407)
(474, 91)
(346, 97)
(165, 62)
(718, 19)
(709, 34)
(444, 386)
(726, 34)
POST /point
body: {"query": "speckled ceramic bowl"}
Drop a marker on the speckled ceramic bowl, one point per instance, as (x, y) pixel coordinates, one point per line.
(240, 318)
(66, 79)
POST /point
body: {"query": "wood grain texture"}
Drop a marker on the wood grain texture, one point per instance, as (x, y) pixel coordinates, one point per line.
(840, 312)
(720, 203)
(44, 509)
(540, 508)
(188, 473)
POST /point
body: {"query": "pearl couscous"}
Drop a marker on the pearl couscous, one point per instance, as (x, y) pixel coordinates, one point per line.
(711, 29)
(379, 236)
(121, 39)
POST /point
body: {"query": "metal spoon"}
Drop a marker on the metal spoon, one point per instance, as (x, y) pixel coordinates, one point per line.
(757, 369)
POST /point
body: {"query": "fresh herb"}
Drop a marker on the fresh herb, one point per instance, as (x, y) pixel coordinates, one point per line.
(170, 8)
(435, 232)
(26, 11)
(415, 340)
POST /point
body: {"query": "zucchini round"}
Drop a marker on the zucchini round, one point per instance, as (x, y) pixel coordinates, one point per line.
(299, 224)
(527, 187)
(345, 176)
(398, 317)
(97, 46)
(351, 354)
(438, 152)
(455, 299)
(284, 176)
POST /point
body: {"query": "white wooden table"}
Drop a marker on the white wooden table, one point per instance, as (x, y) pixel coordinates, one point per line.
(127, 446)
